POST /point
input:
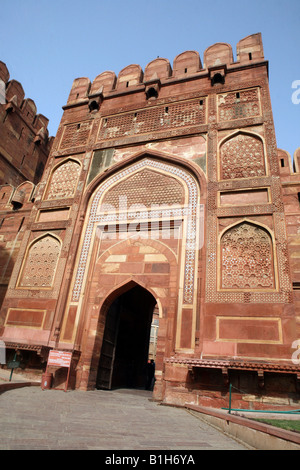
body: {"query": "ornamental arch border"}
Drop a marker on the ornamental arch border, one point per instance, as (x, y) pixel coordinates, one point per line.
(89, 220)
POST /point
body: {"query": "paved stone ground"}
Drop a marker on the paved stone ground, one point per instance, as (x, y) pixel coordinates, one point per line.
(33, 419)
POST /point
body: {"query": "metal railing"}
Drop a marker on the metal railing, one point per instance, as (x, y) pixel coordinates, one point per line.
(230, 409)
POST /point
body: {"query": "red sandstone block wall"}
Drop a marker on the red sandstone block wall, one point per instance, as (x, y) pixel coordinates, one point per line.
(192, 121)
(24, 140)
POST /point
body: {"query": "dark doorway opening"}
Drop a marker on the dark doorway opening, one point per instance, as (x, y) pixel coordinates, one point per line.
(125, 347)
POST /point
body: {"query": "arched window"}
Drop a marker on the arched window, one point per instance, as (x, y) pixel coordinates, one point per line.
(40, 263)
(247, 260)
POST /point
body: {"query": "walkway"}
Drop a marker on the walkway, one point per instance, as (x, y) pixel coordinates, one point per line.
(31, 418)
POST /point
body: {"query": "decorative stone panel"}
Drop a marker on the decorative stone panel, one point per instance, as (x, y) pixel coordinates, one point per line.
(238, 105)
(63, 181)
(40, 263)
(242, 156)
(247, 258)
(146, 188)
(154, 119)
(75, 135)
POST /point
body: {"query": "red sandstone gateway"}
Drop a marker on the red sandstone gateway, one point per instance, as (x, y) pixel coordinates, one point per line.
(165, 226)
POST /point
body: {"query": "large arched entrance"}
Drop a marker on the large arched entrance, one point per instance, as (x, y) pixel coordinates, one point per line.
(125, 346)
(142, 225)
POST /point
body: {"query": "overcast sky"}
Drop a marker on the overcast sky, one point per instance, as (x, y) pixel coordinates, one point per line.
(46, 44)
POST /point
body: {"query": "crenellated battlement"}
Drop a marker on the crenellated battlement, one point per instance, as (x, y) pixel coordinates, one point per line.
(25, 143)
(164, 186)
(249, 50)
(26, 107)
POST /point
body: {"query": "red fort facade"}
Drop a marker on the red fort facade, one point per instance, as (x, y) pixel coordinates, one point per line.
(165, 192)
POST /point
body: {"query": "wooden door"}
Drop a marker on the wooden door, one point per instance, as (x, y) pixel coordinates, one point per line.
(107, 357)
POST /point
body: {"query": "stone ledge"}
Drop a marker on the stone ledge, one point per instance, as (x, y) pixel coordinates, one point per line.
(12, 385)
(286, 368)
(258, 435)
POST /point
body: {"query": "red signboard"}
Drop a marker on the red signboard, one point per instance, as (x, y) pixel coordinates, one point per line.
(59, 358)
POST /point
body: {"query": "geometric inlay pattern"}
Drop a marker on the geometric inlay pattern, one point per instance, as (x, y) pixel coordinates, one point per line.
(190, 212)
(247, 258)
(138, 190)
(153, 119)
(242, 156)
(41, 261)
(76, 135)
(247, 105)
(63, 181)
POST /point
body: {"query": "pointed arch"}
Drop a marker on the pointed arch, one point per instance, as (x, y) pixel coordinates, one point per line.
(123, 287)
(240, 131)
(40, 262)
(171, 276)
(63, 180)
(247, 257)
(242, 154)
(123, 328)
(192, 202)
(159, 156)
